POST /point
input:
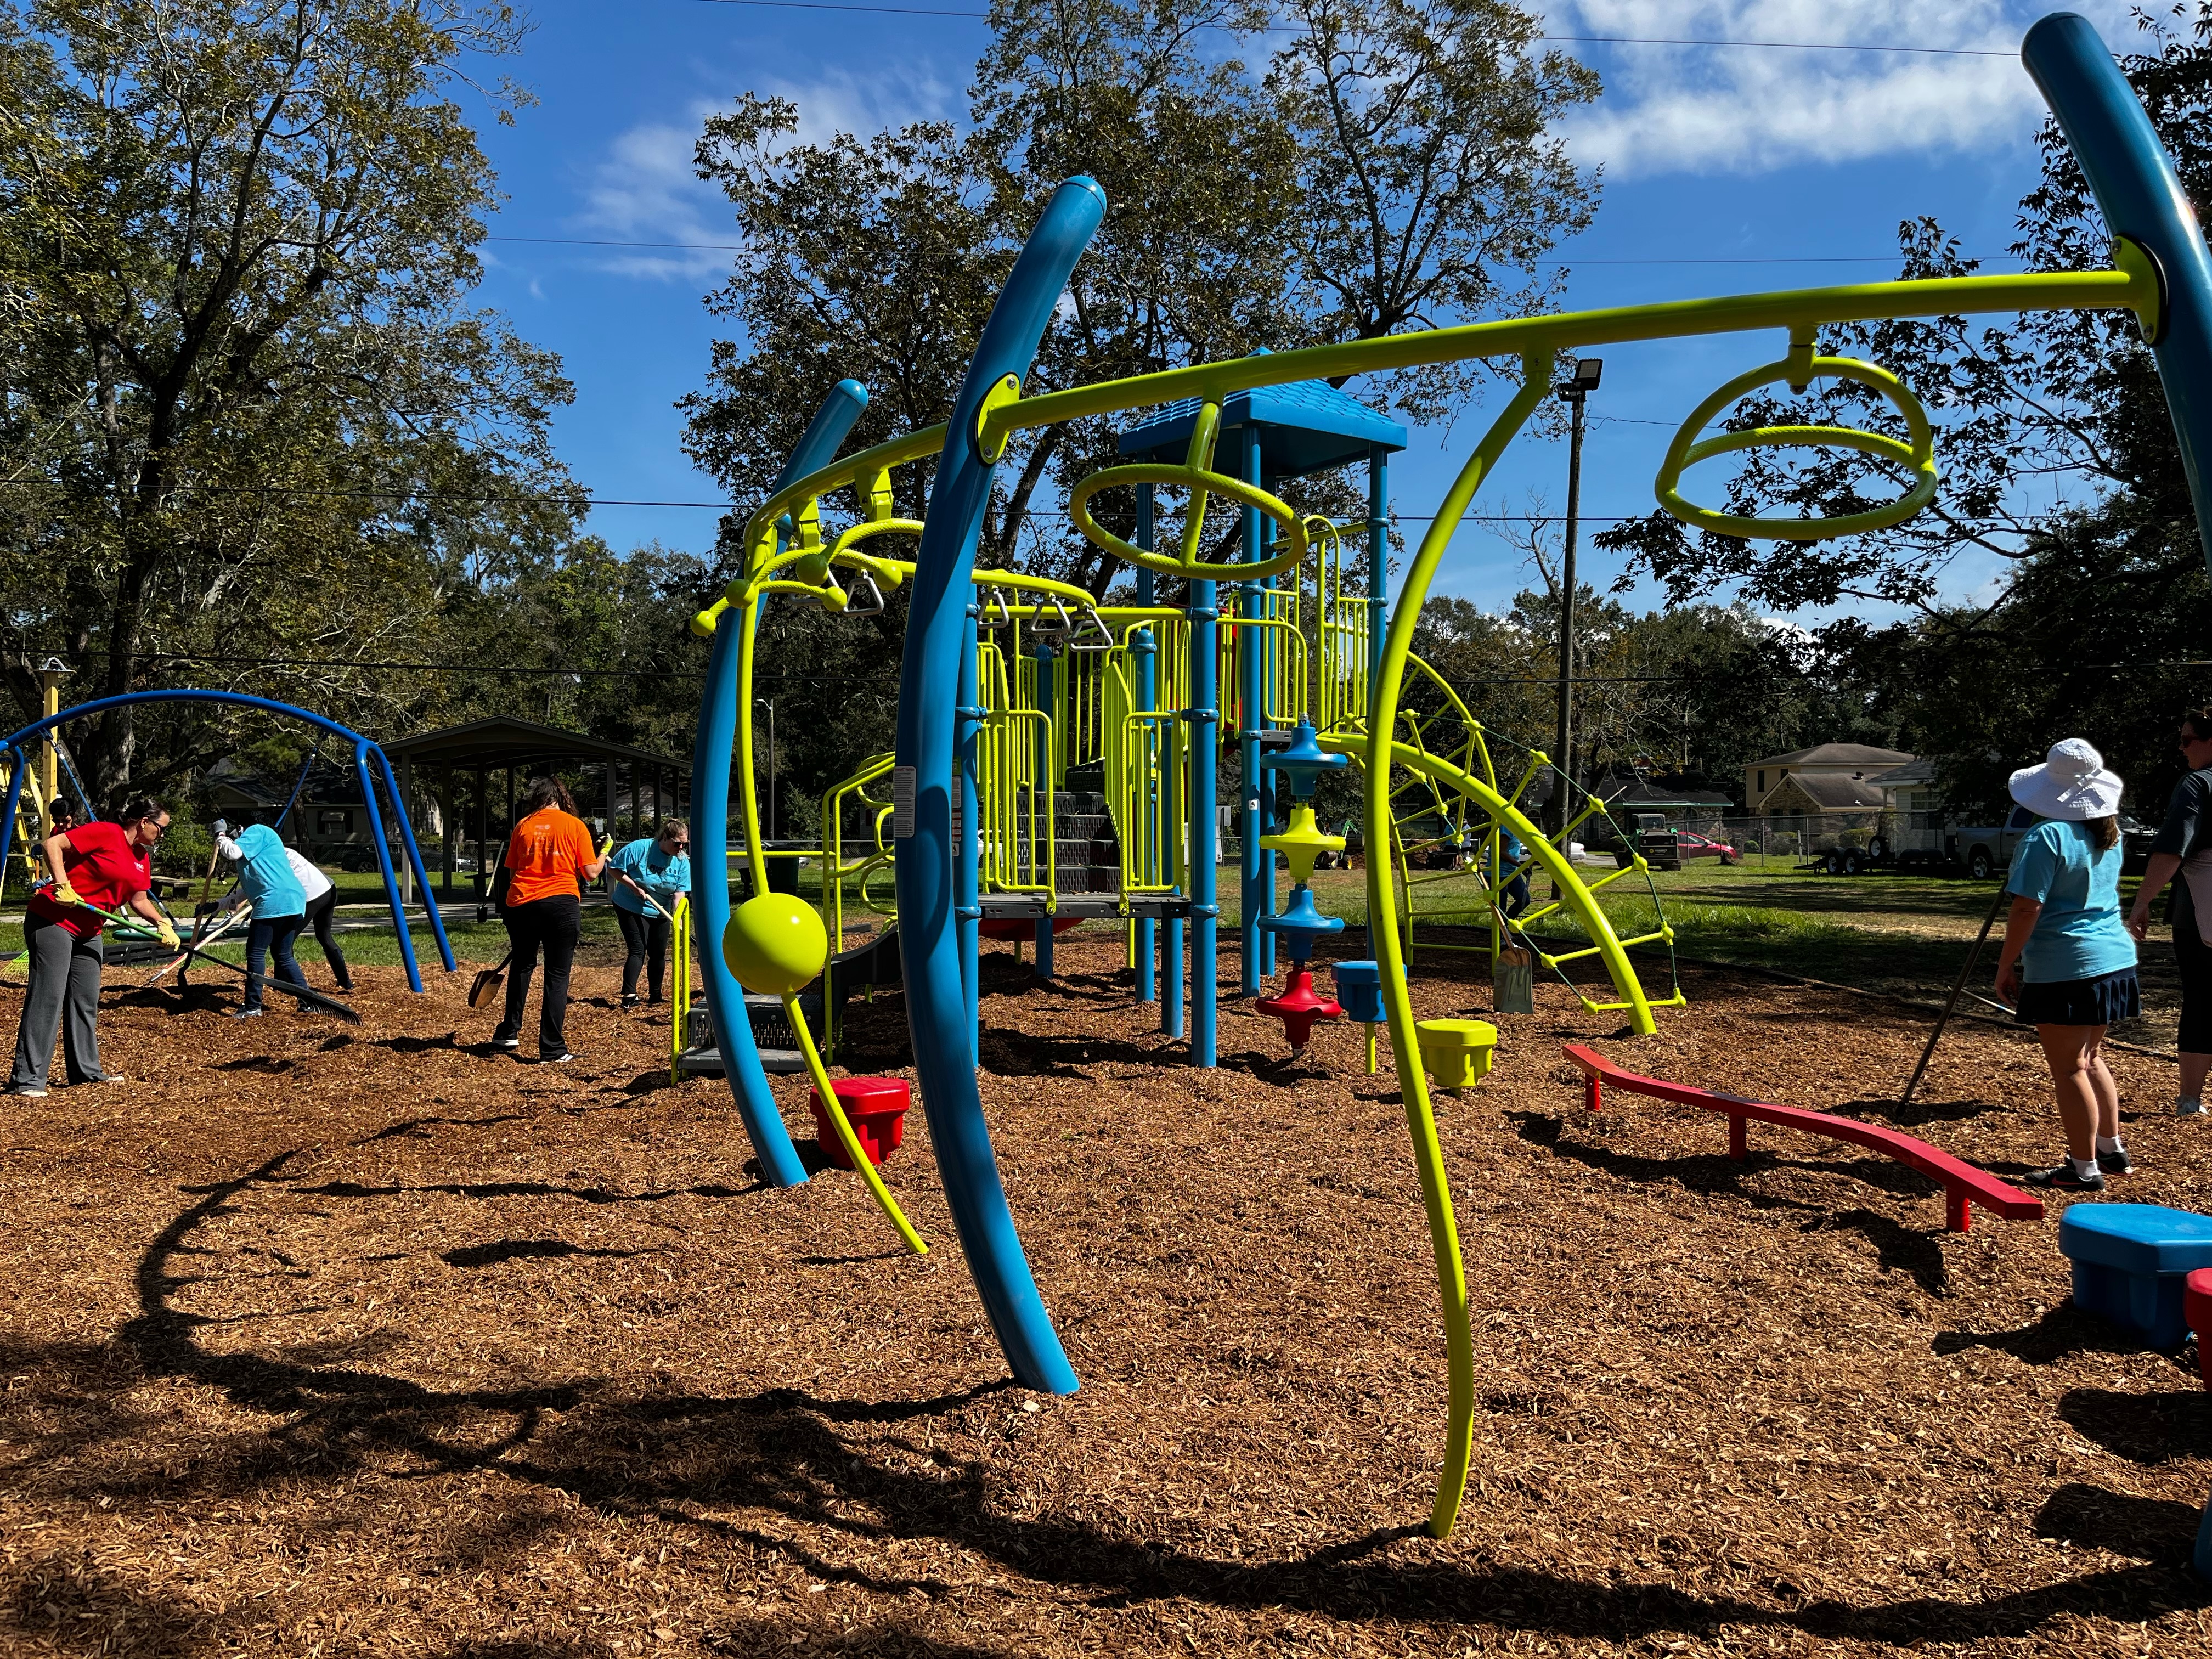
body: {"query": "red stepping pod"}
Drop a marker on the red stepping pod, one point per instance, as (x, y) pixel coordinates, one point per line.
(874, 1106)
(1299, 1006)
(2196, 1309)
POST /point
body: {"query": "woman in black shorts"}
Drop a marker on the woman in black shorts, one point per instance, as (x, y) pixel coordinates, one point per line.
(2183, 848)
(2069, 966)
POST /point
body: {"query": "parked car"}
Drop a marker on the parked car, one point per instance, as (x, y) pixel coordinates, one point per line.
(1690, 845)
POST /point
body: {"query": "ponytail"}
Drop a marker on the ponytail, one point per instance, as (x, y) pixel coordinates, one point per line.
(2104, 833)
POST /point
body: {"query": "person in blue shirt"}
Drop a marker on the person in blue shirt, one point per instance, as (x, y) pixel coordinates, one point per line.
(280, 908)
(2068, 963)
(659, 866)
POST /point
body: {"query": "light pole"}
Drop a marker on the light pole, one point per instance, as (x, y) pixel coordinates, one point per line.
(1586, 371)
(770, 704)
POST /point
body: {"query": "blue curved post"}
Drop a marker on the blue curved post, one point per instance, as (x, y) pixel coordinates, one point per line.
(937, 1014)
(421, 875)
(376, 839)
(711, 757)
(2140, 198)
(15, 742)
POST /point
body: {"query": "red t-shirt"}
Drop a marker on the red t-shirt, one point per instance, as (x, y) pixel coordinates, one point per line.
(105, 868)
(543, 855)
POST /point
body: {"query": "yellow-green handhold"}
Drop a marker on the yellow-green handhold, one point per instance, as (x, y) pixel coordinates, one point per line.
(1302, 843)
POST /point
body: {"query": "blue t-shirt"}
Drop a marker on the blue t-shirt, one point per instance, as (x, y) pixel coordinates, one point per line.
(664, 875)
(266, 874)
(2080, 934)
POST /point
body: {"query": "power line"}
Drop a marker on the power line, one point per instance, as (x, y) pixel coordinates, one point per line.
(1563, 259)
(1290, 29)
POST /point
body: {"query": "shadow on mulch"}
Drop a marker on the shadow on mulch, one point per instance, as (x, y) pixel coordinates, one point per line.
(2064, 1331)
(2147, 1529)
(780, 1452)
(1898, 1247)
(2143, 1428)
(524, 1249)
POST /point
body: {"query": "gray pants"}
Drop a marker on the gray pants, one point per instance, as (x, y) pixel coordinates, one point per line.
(64, 979)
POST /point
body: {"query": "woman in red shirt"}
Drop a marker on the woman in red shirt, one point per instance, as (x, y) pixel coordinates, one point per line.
(107, 864)
(543, 906)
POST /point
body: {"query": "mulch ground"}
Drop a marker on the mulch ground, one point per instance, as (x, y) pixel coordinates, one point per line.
(322, 1340)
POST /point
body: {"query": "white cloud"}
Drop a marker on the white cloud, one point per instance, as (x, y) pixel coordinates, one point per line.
(1701, 109)
(644, 189)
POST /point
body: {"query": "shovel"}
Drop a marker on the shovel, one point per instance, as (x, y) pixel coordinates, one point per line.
(328, 1005)
(488, 981)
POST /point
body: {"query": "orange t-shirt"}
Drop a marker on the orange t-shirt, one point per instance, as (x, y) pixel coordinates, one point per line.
(543, 854)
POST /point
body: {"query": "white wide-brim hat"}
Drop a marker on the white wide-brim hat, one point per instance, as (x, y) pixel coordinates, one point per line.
(2072, 784)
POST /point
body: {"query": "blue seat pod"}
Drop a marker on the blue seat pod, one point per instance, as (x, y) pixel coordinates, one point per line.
(2130, 1261)
(1359, 988)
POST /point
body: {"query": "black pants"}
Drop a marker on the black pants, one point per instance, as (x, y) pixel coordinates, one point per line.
(552, 925)
(320, 912)
(64, 981)
(268, 937)
(2194, 958)
(645, 944)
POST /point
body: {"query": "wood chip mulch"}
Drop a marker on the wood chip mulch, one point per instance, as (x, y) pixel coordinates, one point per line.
(338, 1341)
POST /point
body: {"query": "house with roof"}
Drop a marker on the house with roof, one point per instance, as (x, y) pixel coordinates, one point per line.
(1838, 762)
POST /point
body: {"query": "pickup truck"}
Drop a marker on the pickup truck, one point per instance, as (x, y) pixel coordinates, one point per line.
(1984, 850)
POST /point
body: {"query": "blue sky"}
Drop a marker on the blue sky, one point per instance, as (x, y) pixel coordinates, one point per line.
(1794, 166)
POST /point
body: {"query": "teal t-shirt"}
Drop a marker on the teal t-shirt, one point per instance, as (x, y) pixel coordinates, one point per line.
(266, 874)
(2080, 934)
(664, 875)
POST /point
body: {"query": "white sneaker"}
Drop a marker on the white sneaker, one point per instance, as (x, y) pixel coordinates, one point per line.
(2187, 1108)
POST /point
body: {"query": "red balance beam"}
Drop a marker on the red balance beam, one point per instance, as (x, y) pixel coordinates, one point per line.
(1963, 1184)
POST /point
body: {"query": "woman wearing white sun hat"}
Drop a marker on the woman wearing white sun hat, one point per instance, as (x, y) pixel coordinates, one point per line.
(2068, 963)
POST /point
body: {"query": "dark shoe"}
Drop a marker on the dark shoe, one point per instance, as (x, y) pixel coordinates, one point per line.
(629, 1003)
(245, 1013)
(508, 1043)
(2115, 1163)
(2066, 1179)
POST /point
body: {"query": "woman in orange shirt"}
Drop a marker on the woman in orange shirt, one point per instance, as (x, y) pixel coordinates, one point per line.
(543, 906)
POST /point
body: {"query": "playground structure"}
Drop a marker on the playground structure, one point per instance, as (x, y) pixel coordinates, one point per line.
(987, 734)
(23, 775)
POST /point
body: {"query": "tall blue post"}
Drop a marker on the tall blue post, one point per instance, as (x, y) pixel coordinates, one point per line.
(1148, 687)
(1251, 692)
(2142, 201)
(967, 879)
(1378, 607)
(1042, 792)
(1203, 721)
(710, 832)
(937, 1015)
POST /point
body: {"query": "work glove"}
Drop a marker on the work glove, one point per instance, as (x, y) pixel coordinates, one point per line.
(168, 935)
(63, 893)
(222, 828)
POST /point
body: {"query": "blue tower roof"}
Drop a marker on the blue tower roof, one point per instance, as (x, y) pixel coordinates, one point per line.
(1308, 426)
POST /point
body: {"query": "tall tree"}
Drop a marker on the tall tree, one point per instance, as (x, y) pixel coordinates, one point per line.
(248, 405)
(2066, 402)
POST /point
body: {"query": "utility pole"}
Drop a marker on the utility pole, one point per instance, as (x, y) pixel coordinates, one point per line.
(1586, 371)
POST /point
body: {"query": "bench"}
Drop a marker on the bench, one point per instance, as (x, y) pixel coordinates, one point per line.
(1963, 1184)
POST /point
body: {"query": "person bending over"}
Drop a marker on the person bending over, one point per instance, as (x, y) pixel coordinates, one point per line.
(322, 905)
(107, 864)
(543, 906)
(661, 865)
(2068, 967)
(264, 876)
(2183, 848)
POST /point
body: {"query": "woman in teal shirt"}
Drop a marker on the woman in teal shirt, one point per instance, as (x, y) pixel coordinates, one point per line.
(2068, 963)
(646, 873)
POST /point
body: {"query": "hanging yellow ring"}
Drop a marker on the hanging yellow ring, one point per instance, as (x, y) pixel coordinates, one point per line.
(1290, 550)
(1918, 456)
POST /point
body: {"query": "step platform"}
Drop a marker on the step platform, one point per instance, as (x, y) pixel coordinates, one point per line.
(2132, 1262)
